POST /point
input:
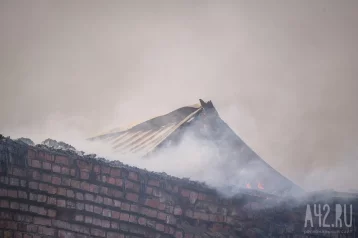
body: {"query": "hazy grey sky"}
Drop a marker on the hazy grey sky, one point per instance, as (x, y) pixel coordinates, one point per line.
(283, 74)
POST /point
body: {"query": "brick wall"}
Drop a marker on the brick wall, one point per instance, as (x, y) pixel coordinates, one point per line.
(49, 193)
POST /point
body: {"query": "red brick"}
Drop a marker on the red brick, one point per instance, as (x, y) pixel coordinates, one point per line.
(61, 203)
(3, 192)
(154, 203)
(125, 206)
(51, 189)
(51, 201)
(65, 234)
(117, 194)
(46, 231)
(106, 213)
(201, 196)
(108, 201)
(59, 159)
(114, 235)
(106, 224)
(149, 212)
(31, 153)
(45, 156)
(17, 234)
(132, 197)
(149, 190)
(14, 205)
(46, 165)
(117, 203)
(96, 169)
(97, 221)
(61, 191)
(32, 228)
(80, 206)
(75, 184)
(98, 232)
(78, 217)
(204, 216)
(24, 207)
(56, 168)
(65, 171)
(38, 210)
(97, 209)
(105, 169)
(115, 215)
(89, 197)
(88, 219)
(154, 183)
(51, 213)
(18, 172)
(111, 180)
(36, 163)
(85, 186)
(71, 204)
(188, 235)
(98, 199)
(178, 211)
(178, 234)
(89, 208)
(133, 175)
(12, 193)
(35, 175)
(93, 188)
(134, 208)
(133, 218)
(185, 193)
(142, 221)
(80, 229)
(104, 190)
(70, 193)
(119, 182)
(159, 227)
(196, 215)
(23, 183)
(66, 182)
(162, 206)
(73, 172)
(129, 185)
(79, 196)
(84, 175)
(46, 177)
(84, 165)
(43, 186)
(115, 172)
(124, 217)
(162, 216)
(56, 180)
(9, 225)
(42, 221)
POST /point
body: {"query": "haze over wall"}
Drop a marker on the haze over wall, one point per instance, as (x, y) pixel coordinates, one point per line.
(282, 74)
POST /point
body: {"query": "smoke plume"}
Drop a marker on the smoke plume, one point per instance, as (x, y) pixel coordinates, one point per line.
(282, 74)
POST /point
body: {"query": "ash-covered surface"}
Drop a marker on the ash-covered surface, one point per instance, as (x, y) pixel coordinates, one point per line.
(27, 141)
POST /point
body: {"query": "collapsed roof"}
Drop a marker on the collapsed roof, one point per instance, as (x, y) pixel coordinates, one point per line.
(202, 122)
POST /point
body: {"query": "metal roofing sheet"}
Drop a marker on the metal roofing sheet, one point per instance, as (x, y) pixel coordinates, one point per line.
(143, 138)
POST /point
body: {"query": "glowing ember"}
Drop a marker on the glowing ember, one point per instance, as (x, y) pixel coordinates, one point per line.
(260, 186)
(248, 185)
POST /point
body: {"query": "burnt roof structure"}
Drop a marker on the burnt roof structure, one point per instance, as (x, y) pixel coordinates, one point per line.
(202, 121)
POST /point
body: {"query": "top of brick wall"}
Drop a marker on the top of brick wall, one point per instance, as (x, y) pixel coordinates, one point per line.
(17, 151)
